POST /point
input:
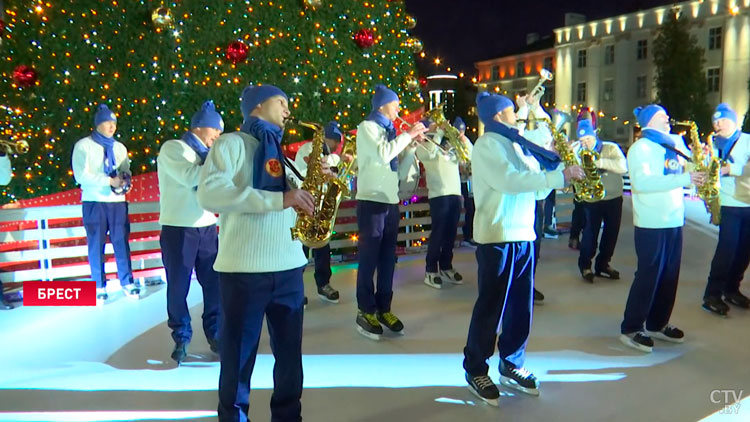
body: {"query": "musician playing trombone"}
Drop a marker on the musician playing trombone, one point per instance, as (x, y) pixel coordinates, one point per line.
(99, 165)
(378, 214)
(444, 194)
(509, 172)
(612, 165)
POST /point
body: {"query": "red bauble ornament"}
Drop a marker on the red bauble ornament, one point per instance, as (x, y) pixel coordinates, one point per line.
(364, 38)
(423, 81)
(237, 51)
(24, 75)
(2, 26)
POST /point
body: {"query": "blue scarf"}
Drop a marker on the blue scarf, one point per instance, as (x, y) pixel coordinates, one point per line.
(193, 142)
(671, 163)
(390, 131)
(725, 145)
(549, 160)
(268, 163)
(108, 144)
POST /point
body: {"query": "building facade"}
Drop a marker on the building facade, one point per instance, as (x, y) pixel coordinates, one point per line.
(607, 64)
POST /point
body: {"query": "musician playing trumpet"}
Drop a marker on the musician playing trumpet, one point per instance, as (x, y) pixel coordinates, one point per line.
(612, 165)
(378, 214)
(509, 173)
(6, 173)
(441, 166)
(732, 251)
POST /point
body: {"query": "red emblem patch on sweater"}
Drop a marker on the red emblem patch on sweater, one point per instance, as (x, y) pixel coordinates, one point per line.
(273, 167)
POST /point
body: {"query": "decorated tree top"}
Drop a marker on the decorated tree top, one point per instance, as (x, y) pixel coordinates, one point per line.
(155, 63)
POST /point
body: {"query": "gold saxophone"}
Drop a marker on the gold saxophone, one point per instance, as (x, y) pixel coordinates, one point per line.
(590, 188)
(315, 231)
(709, 164)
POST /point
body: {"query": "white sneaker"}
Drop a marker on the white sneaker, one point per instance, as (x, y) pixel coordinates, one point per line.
(433, 280)
(132, 291)
(452, 275)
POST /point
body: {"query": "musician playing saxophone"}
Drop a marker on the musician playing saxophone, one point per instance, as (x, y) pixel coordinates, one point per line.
(732, 252)
(244, 180)
(6, 173)
(378, 214)
(612, 165)
(656, 163)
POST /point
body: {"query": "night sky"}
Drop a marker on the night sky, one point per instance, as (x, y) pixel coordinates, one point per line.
(462, 32)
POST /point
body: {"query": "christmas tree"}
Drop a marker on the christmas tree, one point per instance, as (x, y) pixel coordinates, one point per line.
(154, 63)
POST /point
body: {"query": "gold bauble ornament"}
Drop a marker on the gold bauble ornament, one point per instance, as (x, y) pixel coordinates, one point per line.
(411, 22)
(413, 44)
(411, 82)
(162, 17)
(313, 4)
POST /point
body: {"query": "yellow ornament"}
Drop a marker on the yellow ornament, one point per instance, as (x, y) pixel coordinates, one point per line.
(312, 4)
(413, 44)
(411, 22)
(162, 17)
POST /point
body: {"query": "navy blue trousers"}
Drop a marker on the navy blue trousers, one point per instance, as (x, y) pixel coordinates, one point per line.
(182, 249)
(445, 212)
(322, 258)
(578, 220)
(468, 227)
(99, 218)
(549, 208)
(610, 212)
(245, 299)
(506, 285)
(732, 254)
(652, 294)
(378, 235)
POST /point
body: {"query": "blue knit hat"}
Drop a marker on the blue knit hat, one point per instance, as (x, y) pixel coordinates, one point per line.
(103, 114)
(383, 96)
(332, 131)
(586, 128)
(488, 105)
(645, 114)
(207, 117)
(723, 111)
(459, 124)
(254, 95)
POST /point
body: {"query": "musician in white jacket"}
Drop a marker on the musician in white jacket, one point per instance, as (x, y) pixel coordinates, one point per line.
(101, 166)
(509, 172)
(189, 238)
(378, 214)
(611, 165)
(444, 194)
(260, 267)
(656, 163)
(732, 254)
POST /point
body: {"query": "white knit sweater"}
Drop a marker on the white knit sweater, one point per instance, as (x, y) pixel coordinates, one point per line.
(735, 187)
(657, 197)
(375, 180)
(88, 170)
(254, 228)
(179, 170)
(441, 170)
(5, 170)
(507, 184)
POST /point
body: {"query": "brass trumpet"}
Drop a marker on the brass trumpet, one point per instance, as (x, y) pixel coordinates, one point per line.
(18, 147)
(425, 136)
